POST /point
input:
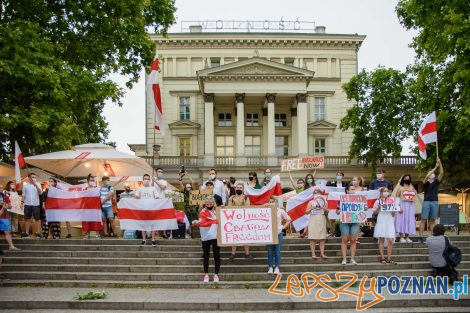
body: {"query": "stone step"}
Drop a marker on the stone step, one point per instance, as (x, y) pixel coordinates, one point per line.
(239, 260)
(195, 276)
(227, 268)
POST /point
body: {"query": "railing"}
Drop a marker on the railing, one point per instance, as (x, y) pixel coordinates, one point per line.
(256, 160)
(173, 161)
(224, 161)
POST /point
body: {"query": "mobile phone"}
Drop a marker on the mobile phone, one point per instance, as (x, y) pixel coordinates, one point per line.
(182, 169)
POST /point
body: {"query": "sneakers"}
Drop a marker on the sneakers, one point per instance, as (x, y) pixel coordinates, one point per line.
(353, 262)
(402, 240)
(69, 236)
(14, 249)
(421, 240)
(276, 271)
(24, 235)
(39, 235)
(408, 240)
(270, 270)
(154, 243)
(232, 257)
(143, 243)
(344, 262)
(249, 257)
(216, 278)
(3, 278)
(206, 278)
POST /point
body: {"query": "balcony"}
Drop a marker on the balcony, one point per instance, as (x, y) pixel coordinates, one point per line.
(225, 161)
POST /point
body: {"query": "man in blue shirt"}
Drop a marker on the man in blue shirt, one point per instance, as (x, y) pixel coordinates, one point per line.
(380, 182)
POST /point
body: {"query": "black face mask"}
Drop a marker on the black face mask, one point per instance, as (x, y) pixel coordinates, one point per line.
(238, 192)
(251, 178)
(407, 181)
(209, 207)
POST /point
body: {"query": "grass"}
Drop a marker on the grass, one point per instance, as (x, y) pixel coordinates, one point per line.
(92, 295)
(248, 286)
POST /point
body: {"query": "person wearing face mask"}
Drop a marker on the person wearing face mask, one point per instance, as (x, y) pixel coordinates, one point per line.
(208, 225)
(147, 192)
(430, 208)
(267, 176)
(50, 227)
(219, 188)
(88, 227)
(339, 182)
(107, 195)
(32, 205)
(15, 205)
(253, 181)
(385, 226)
(317, 221)
(380, 182)
(159, 183)
(405, 223)
(239, 199)
(357, 184)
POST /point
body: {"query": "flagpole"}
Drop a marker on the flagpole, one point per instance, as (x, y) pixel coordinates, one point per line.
(437, 140)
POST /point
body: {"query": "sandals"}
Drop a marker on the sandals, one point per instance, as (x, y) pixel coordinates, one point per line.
(383, 261)
(390, 261)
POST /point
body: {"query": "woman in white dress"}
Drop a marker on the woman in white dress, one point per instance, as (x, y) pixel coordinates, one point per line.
(385, 226)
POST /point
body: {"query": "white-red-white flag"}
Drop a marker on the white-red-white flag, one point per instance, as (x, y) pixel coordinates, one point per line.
(154, 97)
(261, 196)
(427, 133)
(73, 206)
(19, 163)
(208, 225)
(147, 214)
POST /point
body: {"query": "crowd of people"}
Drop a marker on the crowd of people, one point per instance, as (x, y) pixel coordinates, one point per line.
(230, 192)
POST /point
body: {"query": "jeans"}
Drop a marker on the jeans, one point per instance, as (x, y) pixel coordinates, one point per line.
(206, 247)
(274, 252)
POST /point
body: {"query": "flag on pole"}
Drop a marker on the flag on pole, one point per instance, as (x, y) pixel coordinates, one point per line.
(296, 206)
(427, 133)
(261, 196)
(147, 214)
(73, 206)
(19, 163)
(154, 97)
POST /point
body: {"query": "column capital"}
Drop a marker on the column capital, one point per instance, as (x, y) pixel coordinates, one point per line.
(240, 97)
(271, 97)
(208, 97)
(301, 98)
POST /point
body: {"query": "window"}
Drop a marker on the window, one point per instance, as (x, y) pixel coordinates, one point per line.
(282, 145)
(225, 119)
(320, 146)
(184, 108)
(289, 61)
(280, 120)
(224, 145)
(185, 147)
(252, 119)
(215, 62)
(252, 145)
(319, 108)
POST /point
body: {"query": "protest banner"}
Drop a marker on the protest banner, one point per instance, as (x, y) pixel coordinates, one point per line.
(390, 205)
(353, 208)
(305, 163)
(250, 225)
(197, 197)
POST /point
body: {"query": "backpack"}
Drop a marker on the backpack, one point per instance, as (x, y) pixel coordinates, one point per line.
(451, 254)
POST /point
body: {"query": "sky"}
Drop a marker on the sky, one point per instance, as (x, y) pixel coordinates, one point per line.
(387, 43)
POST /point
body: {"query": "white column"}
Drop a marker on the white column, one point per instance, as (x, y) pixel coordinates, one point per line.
(271, 131)
(302, 138)
(337, 68)
(240, 138)
(294, 150)
(328, 69)
(209, 129)
(174, 67)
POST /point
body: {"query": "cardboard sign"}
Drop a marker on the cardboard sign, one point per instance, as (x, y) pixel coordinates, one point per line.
(16, 206)
(353, 208)
(390, 205)
(305, 163)
(198, 197)
(250, 225)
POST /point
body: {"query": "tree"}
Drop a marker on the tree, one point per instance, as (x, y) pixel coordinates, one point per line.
(377, 117)
(55, 62)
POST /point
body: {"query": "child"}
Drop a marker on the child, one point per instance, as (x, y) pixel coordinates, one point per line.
(385, 226)
(317, 221)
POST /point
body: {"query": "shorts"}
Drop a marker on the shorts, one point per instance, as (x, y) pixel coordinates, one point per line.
(107, 212)
(32, 211)
(348, 229)
(430, 210)
(5, 224)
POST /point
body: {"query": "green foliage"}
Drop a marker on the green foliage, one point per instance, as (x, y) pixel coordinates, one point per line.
(55, 62)
(92, 295)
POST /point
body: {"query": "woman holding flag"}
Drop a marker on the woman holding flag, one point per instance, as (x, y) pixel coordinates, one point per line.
(317, 221)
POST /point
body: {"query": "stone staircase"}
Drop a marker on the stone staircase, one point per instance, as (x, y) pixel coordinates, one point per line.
(177, 264)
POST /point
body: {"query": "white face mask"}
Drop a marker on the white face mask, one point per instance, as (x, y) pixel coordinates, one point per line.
(339, 177)
(355, 183)
(432, 177)
(35, 179)
(380, 176)
(146, 182)
(92, 184)
(211, 176)
(386, 194)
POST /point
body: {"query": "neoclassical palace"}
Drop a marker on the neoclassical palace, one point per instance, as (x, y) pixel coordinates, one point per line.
(245, 101)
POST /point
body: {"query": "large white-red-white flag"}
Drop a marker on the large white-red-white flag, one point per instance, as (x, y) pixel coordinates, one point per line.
(19, 163)
(73, 206)
(261, 196)
(427, 133)
(147, 214)
(154, 97)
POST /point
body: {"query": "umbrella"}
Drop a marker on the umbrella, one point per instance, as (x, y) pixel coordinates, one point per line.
(95, 158)
(134, 182)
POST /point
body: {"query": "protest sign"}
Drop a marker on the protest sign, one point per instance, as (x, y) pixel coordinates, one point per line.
(250, 225)
(305, 163)
(390, 205)
(353, 208)
(198, 197)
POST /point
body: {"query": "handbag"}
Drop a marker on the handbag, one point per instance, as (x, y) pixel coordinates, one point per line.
(451, 254)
